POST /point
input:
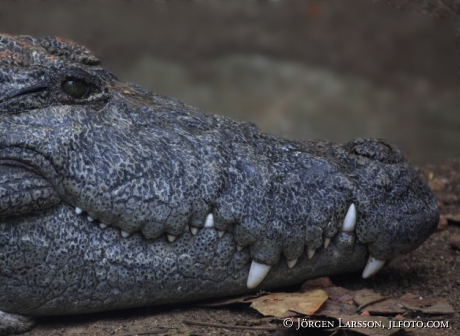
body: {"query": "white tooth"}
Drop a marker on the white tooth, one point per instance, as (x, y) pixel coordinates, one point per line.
(90, 219)
(220, 233)
(373, 266)
(349, 222)
(311, 253)
(209, 223)
(78, 211)
(171, 238)
(326, 242)
(291, 263)
(124, 234)
(186, 228)
(102, 225)
(194, 230)
(257, 274)
(239, 247)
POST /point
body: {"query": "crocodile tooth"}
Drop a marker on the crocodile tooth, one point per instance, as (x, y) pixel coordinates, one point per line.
(171, 238)
(78, 211)
(373, 266)
(239, 247)
(257, 274)
(209, 223)
(90, 219)
(349, 222)
(291, 263)
(194, 230)
(326, 242)
(102, 225)
(187, 228)
(220, 233)
(310, 253)
(125, 234)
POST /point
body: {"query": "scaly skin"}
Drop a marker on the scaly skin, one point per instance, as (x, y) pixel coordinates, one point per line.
(114, 197)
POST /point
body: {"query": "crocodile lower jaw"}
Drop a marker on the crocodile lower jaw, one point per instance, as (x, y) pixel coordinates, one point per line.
(258, 271)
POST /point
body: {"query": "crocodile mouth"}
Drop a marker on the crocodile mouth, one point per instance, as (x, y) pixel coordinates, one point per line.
(28, 182)
(344, 239)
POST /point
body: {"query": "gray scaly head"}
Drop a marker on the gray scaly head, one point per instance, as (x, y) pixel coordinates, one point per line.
(115, 197)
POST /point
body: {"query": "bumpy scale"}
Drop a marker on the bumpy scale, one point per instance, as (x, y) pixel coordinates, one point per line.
(115, 197)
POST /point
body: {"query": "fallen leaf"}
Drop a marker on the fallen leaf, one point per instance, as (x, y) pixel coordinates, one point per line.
(233, 300)
(317, 283)
(455, 242)
(438, 184)
(338, 303)
(432, 306)
(283, 304)
(366, 297)
(386, 307)
(453, 217)
(442, 224)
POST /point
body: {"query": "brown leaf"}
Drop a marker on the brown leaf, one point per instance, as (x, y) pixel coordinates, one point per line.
(233, 300)
(366, 297)
(455, 242)
(455, 217)
(283, 304)
(338, 303)
(386, 307)
(438, 184)
(317, 283)
(427, 305)
(442, 224)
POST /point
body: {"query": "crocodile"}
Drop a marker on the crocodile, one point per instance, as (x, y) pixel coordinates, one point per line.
(114, 197)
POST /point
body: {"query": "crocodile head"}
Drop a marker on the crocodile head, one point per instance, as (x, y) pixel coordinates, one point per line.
(109, 168)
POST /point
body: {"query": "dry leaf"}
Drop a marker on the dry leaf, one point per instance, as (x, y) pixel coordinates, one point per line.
(283, 304)
(386, 307)
(366, 297)
(317, 283)
(338, 303)
(233, 300)
(453, 217)
(428, 305)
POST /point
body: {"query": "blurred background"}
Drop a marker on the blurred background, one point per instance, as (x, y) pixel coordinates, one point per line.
(334, 70)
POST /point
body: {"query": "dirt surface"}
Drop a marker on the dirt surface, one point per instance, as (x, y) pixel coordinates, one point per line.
(432, 271)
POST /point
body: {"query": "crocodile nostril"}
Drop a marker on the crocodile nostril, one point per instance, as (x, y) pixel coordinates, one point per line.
(375, 149)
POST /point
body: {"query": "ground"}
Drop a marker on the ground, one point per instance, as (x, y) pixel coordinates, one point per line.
(433, 270)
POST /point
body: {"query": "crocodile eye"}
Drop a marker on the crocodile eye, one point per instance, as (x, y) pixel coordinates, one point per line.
(76, 88)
